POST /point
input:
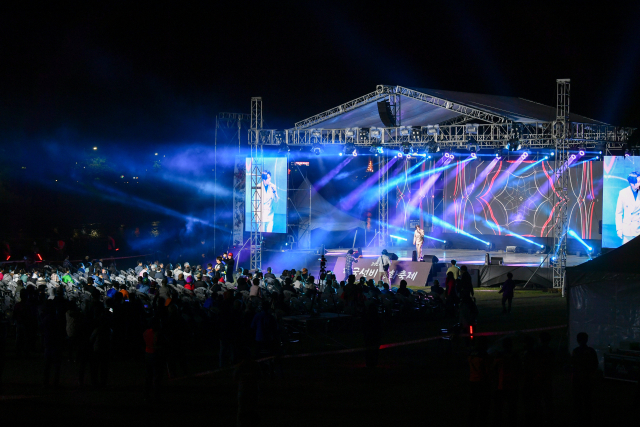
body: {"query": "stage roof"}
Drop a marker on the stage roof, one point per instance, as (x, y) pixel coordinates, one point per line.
(415, 112)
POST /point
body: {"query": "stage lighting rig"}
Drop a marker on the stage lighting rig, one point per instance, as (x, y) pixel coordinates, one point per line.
(432, 147)
(433, 130)
(350, 149)
(513, 145)
(364, 135)
(416, 133)
(375, 133)
(406, 149)
(317, 149)
(405, 130)
(473, 148)
(471, 128)
(316, 133)
(350, 132)
(283, 148)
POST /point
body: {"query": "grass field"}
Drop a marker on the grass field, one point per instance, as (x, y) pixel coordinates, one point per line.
(419, 384)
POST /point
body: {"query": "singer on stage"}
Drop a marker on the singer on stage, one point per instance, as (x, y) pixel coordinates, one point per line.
(418, 238)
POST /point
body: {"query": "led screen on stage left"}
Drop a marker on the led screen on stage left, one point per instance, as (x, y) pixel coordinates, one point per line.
(273, 195)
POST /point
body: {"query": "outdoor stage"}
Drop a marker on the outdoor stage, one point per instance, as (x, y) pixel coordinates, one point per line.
(524, 267)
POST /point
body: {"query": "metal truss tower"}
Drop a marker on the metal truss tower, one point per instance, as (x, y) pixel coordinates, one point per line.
(561, 183)
(383, 201)
(228, 129)
(257, 166)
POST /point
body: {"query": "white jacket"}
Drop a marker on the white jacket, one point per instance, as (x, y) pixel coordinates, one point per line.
(418, 237)
(628, 213)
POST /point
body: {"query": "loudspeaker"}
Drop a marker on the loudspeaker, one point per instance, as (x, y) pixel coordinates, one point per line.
(496, 260)
(414, 256)
(386, 115)
(430, 258)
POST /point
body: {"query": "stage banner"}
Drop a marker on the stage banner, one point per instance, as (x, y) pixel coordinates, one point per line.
(415, 273)
(239, 172)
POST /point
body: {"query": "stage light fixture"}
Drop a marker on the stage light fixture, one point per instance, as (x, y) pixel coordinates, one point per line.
(316, 133)
(317, 149)
(416, 133)
(364, 134)
(498, 152)
(448, 155)
(350, 132)
(433, 130)
(375, 133)
(350, 148)
(400, 154)
(474, 155)
(405, 130)
(513, 145)
(283, 148)
(406, 149)
(471, 128)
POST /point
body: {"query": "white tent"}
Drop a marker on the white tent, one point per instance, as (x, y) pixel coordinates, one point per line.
(604, 299)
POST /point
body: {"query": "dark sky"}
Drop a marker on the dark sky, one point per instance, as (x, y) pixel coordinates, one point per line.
(124, 74)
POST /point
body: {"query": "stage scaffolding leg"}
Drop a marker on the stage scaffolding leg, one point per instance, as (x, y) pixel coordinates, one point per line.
(383, 202)
(561, 183)
(257, 166)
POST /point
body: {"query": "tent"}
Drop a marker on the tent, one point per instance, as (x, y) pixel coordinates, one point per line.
(604, 299)
(324, 215)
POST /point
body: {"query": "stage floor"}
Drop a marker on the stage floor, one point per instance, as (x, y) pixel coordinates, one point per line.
(466, 256)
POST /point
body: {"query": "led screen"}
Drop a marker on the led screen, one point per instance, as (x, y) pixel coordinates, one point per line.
(621, 208)
(516, 196)
(272, 196)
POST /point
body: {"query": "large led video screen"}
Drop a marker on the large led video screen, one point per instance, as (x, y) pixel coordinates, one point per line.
(502, 197)
(621, 208)
(272, 185)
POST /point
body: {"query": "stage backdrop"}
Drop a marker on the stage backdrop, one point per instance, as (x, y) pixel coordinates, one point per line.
(415, 273)
(616, 190)
(274, 195)
(500, 197)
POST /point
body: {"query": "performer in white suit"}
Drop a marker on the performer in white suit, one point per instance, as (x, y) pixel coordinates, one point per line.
(418, 238)
(269, 198)
(628, 210)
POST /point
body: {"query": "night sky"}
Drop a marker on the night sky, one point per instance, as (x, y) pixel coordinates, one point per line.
(130, 79)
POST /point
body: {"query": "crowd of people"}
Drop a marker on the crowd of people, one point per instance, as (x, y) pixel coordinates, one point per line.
(91, 314)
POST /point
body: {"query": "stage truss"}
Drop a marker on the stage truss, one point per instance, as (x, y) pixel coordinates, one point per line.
(495, 132)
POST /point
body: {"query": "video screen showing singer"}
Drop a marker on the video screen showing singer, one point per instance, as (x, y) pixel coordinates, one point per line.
(628, 210)
(269, 199)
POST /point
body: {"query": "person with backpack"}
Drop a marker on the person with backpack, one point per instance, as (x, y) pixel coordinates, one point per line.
(384, 263)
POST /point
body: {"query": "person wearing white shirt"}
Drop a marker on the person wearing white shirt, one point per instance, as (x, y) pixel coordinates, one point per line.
(454, 269)
(628, 210)
(418, 238)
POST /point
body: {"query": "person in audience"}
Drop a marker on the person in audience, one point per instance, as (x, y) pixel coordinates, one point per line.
(454, 269)
(584, 365)
(403, 290)
(507, 293)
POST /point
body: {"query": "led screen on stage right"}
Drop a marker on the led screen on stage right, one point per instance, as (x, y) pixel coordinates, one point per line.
(621, 208)
(502, 197)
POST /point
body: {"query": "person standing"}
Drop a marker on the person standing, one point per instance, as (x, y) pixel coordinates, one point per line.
(584, 364)
(454, 269)
(229, 268)
(507, 293)
(628, 210)
(418, 239)
(384, 263)
(348, 263)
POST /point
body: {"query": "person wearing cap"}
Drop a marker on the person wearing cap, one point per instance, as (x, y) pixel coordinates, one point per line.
(229, 268)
